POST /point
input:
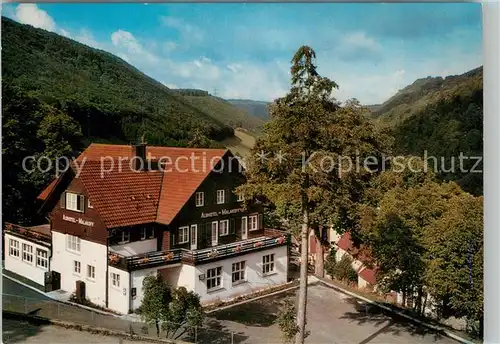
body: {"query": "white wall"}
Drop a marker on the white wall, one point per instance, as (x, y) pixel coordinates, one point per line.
(136, 278)
(136, 247)
(253, 271)
(90, 254)
(119, 297)
(23, 268)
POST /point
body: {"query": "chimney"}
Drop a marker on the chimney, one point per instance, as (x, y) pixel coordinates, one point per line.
(140, 155)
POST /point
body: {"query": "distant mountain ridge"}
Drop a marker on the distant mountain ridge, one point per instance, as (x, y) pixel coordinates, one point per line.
(253, 107)
(422, 92)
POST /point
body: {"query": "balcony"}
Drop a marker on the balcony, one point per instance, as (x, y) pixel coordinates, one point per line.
(271, 238)
(38, 234)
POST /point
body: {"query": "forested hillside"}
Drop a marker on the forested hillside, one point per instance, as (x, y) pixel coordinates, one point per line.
(109, 98)
(59, 95)
(443, 117)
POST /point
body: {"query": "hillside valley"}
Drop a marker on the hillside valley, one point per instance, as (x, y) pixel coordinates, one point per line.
(59, 95)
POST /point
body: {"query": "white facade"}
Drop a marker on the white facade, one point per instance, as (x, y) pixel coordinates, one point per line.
(254, 278)
(90, 254)
(119, 290)
(136, 247)
(26, 258)
(188, 276)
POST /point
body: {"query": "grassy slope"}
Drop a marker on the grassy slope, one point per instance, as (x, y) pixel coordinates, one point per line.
(240, 143)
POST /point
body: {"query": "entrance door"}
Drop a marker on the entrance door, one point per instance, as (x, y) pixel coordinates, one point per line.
(244, 228)
(194, 236)
(215, 233)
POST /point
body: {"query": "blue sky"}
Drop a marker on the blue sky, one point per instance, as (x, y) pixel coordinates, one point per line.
(244, 50)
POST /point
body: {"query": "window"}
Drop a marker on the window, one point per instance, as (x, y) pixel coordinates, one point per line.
(125, 237)
(152, 233)
(42, 258)
(89, 205)
(74, 201)
(14, 248)
(268, 264)
(240, 197)
(200, 199)
(90, 272)
(220, 196)
(77, 267)
(224, 227)
(73, 243)
(183, 235)
(115, 280)
(253, 223)
(238, 272)
(214, 278)
(143, 233)
(28, 253)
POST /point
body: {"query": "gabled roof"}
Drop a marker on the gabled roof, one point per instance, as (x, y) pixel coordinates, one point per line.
(123, 196)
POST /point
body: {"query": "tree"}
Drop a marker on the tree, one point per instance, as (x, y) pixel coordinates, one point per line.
(309, 132)
(454, 272)
(184, 313)
(287, 321)
(344, 271)
(199, 140)
(331, 261)
(155, 303)
(396, 231)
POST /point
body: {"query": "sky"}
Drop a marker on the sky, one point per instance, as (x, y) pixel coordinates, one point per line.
(243, 51)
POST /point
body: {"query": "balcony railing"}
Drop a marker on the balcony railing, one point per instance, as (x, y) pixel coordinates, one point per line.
(193, 257)
(28, 234)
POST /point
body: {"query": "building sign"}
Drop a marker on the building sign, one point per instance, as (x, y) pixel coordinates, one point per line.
(79, 221)
(222, 212)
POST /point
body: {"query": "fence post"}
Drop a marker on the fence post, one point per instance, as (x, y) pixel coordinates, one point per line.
(196, 334)
(232, 337)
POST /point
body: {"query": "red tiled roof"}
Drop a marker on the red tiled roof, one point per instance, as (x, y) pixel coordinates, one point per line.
(127, 197)
(345, 242)
(46, 192)
(368, 275)
(362, 253)
(122, 198)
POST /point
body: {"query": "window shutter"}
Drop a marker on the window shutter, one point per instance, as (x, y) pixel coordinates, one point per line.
(231, 226)
(173, 239)
(81, 200)
(208, 232)
(63, 200)
(261, 225)
(227, 194)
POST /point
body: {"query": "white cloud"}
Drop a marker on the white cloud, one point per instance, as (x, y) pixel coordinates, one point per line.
(189, 33)
(32, 15)
(125, 41)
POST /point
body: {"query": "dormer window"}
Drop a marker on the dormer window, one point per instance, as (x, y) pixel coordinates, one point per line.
(74, 202)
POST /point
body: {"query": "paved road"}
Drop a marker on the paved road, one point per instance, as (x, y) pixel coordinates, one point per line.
(332, 318)
(13, 288)
(21, 332)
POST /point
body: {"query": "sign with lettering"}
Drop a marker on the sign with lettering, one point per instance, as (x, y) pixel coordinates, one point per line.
(78, 220)
(222, 212)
